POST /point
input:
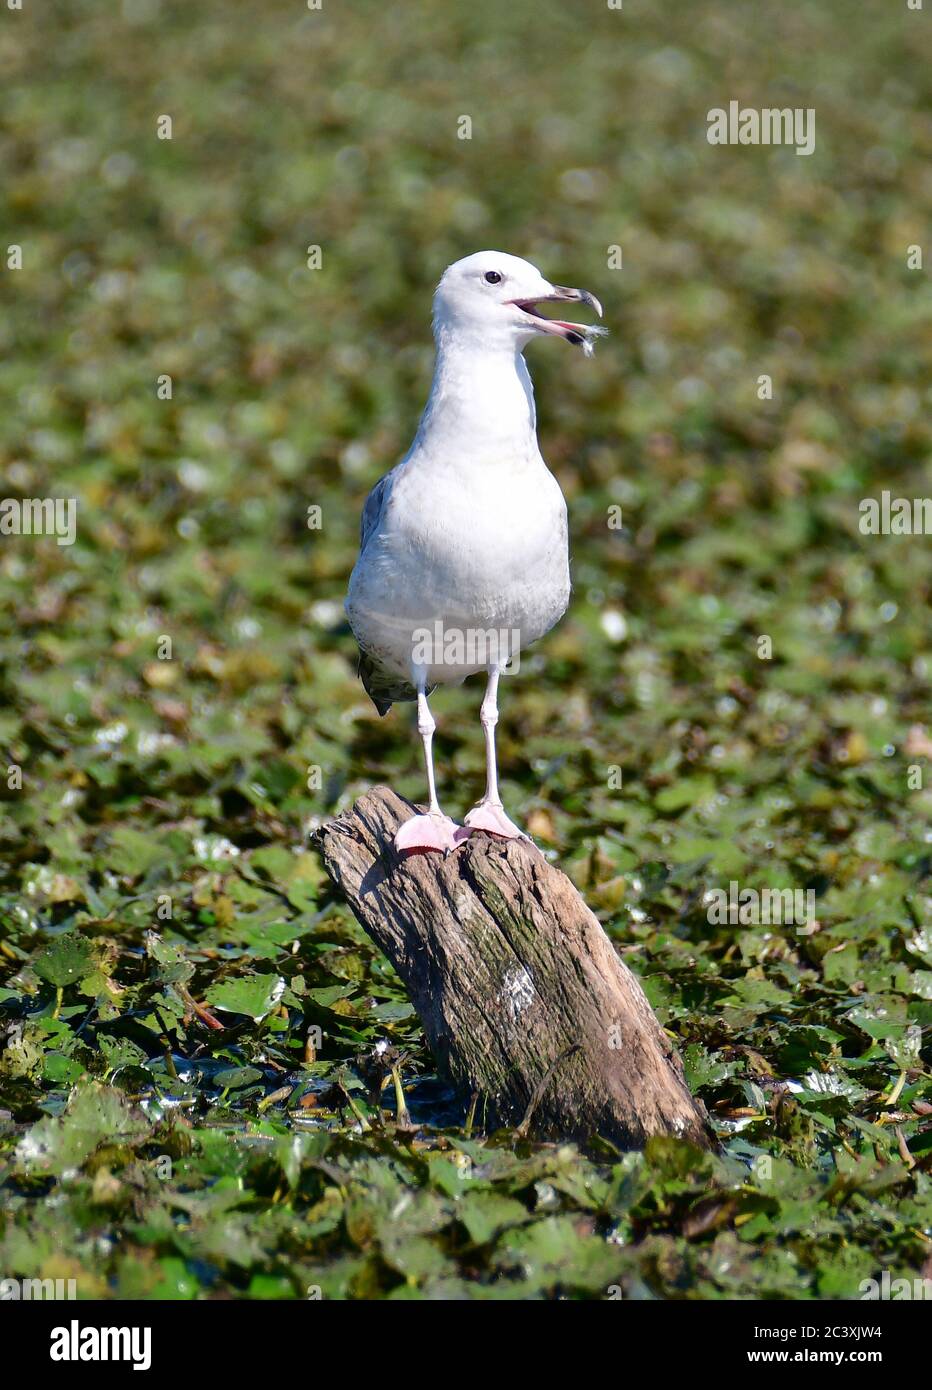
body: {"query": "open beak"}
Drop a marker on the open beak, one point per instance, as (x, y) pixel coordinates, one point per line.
(579, 334)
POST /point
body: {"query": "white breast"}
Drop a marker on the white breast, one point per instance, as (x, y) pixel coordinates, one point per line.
(473, 549)
(472, 532)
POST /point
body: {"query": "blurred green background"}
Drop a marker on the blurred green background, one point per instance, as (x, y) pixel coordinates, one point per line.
(295, 387)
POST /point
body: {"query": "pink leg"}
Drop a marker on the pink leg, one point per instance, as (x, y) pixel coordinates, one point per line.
(433, 830)
(489, 813)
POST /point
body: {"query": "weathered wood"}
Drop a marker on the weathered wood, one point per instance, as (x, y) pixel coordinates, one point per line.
(522, 996)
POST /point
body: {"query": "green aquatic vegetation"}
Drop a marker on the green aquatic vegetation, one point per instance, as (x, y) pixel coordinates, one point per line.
(199, 1043)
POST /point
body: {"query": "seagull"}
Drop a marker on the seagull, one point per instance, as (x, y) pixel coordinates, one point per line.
(463, 557)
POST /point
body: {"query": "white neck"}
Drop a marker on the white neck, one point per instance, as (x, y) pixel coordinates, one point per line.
(481, 401)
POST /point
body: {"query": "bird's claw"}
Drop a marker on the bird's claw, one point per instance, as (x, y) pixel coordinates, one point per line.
(490, 817)
(426, 832)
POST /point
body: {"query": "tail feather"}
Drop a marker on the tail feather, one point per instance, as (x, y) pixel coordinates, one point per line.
(383, 687)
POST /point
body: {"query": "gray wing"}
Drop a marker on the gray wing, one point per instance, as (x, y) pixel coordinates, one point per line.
(382, 687)
(372, 509)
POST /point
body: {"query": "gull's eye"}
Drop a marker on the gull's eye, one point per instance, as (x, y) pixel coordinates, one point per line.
(492, 277)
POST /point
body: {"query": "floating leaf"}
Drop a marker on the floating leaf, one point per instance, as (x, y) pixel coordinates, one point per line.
(255, 995)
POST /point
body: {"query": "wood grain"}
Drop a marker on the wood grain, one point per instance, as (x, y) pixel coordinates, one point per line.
(523, 999)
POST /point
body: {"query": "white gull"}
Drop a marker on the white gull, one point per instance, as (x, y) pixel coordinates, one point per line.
(463, 555)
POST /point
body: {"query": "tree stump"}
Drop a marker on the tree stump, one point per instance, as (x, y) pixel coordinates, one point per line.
(522, 996)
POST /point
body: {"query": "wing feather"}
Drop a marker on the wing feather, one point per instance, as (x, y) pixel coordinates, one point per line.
(383, 687)
(372, 509)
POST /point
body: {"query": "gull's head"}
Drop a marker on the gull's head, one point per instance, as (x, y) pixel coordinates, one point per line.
(491, 299)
